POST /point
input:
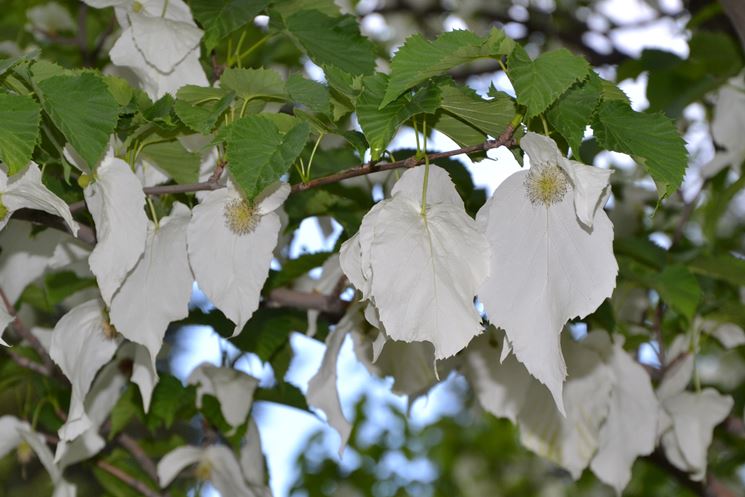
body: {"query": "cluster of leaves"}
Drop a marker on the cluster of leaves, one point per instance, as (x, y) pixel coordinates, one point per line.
(263, 125)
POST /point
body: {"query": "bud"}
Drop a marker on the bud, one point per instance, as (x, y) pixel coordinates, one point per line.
(84, 180)
(24, 453)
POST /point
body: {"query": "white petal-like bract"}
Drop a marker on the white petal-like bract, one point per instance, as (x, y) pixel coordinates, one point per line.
(116, 202)
(233, 389)
(546, 266)
(80, 346)
(230, 249)
(25, 190)
(159, 286)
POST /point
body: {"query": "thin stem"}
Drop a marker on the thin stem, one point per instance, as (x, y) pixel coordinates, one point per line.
(545, 126)
(165, 8)
(127, 479)
(312, 156)
(253, 47)
(426, 171)
(152, 212)
(416, 136)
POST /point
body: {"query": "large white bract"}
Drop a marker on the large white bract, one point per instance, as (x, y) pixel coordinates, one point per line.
(230, 247)
(551, 255)
(421, 269)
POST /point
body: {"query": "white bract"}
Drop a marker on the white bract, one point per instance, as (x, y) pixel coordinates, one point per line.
(26, 256)
(159, 286)
(5, 319)
(230, 247)
(17, 434)
(116, 203)
(727, 126)
(687, 419)
(159, 43)
(232, 388)
(420, 269)
(25, 190)
(215, 463)
(551, 255)
(82, 343)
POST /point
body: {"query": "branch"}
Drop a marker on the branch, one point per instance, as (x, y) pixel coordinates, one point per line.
(328, 304)
(129, 480)
(139, 455)
(25, 333)
(85, 233)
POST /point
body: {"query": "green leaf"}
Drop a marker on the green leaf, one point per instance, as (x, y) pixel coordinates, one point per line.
(173, 159)
(295, 268)
(84, 110)
(490, 116)
(268, 330)
(380, 124)
(312, 94)
(259, 154)
(260, 83)
(119, 89)
(611, 91)
(457, 130)
(722, 267)
(334, 41)
(679, 289)
(127, 408)
(650, 138)
(59, 286)
(572, 113)
(538, 83)
(200, 107)
(170, 400)
(419, 59)
(8, 63)
(288, 7)
(19, 130)
(219, 18)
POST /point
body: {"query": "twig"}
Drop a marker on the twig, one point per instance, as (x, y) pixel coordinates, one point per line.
(129, 480)
(286, 297)
(27, 363)
(85, 233)
(139, 455)
(25, 333)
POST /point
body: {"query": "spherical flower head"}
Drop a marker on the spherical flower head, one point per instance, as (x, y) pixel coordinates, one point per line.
(241, 216)
(203, 471)
(546, 184)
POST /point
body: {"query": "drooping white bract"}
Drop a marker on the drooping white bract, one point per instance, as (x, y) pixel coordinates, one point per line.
(230, 247)
(687, 419)
(5, 319)
(233, 389)
(159, 43)
(15, 433)
(106, 390)
(572, 439)
(159, 286)
(323, 392)
(726, 127)
(80, 346)
(421, 270)
(252, 461)
(630, 429)
(215, 463)
(551, 255)
(25, 190)
(144, 373)
(26, 256)
(48, 20)
(116, 202)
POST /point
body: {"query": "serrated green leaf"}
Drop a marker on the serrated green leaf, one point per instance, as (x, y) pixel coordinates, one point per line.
(8, 63)
(127, 408)
(312, 94)
(83, 110)
(249, 84)
(651, 138)
(170, 400)
(119, 89)
(611, 92)
(334, 41)
(200, 107)
(457, 130)
(572, 113)
(679, 289)
(268, 331)
(419, 59)
(19, 130)
(720, 266)
(219, 18)
(490, 116)
(173, 159)
(380, 124)
(538, 83)
(259, 154)
(288, 7)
